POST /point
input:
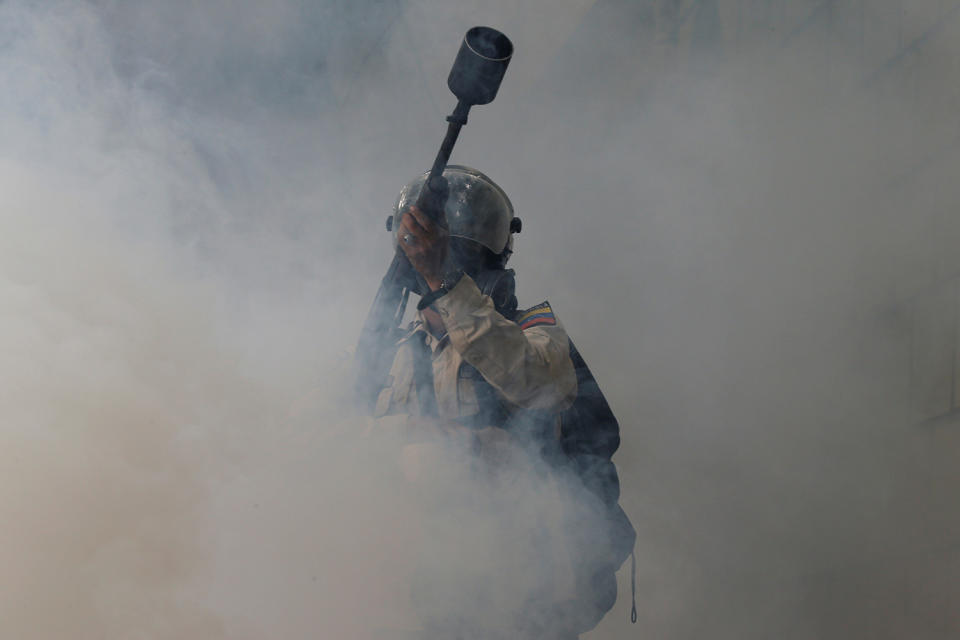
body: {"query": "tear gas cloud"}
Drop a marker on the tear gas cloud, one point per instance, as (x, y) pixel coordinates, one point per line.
(731, 223)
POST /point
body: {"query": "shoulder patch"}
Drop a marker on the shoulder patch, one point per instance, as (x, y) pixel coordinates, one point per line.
(540, 314)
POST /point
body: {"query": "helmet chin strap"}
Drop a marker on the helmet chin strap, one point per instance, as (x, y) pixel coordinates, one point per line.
(488, 272)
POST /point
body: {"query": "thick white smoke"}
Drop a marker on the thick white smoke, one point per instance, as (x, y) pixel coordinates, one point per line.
(180, 459)
(191, 233)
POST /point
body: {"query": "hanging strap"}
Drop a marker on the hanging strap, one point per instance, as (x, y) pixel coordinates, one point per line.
(423, 375)
(633, 585)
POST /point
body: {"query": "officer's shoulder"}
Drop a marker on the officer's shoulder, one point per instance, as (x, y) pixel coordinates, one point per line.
(537, 315)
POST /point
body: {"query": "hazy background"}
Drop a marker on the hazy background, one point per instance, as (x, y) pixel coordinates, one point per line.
(744, 212)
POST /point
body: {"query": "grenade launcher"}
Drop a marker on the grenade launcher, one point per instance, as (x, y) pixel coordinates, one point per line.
(474, 79)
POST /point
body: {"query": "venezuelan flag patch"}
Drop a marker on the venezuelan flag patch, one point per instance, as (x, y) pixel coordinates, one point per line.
(540, 314)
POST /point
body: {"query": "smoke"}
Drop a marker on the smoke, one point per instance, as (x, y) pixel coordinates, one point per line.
(732, 232)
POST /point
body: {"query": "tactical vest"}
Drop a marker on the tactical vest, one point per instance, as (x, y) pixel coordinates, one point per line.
(589, 436)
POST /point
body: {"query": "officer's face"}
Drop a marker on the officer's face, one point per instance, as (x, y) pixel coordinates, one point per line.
(470, 256)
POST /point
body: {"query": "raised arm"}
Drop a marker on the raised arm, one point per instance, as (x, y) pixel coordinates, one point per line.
(531, 367)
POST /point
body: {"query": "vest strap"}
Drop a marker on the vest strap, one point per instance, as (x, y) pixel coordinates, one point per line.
(423, 375)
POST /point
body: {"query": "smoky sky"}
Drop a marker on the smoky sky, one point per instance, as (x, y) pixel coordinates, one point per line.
(732, 210)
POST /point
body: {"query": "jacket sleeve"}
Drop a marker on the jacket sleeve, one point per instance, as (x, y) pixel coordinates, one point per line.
(531, 368)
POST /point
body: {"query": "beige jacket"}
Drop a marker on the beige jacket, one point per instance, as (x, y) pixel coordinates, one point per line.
(529, 368)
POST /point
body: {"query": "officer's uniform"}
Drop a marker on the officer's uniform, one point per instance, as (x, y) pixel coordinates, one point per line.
(527, 363)
(498, 386)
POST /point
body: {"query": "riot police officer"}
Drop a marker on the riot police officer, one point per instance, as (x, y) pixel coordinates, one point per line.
(475, 365)
(468, 319)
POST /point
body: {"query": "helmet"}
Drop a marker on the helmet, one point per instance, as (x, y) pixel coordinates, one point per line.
(477, 209)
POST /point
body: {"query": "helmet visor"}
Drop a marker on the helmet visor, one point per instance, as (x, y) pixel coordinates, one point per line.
(477, 209)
